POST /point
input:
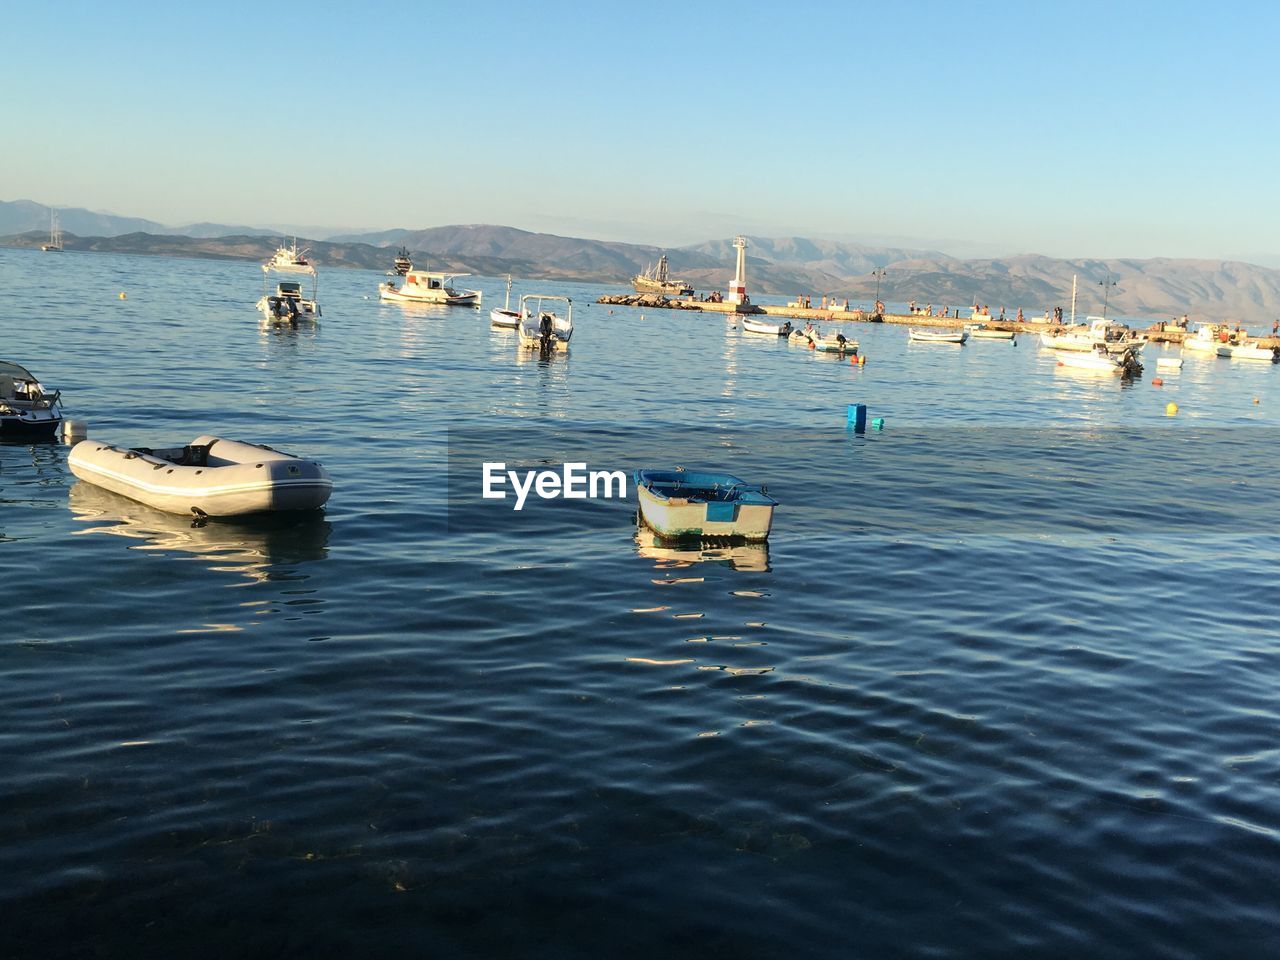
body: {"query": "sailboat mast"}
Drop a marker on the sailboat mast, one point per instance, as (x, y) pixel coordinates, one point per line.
(1073, 299)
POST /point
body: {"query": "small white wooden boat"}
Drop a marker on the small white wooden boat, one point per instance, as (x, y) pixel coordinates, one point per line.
(680, 504)
(504, 316)
(987, 333)
(425, 287)
(211, 476)
(1169, 363)
(771, 327)
(1248, 350)
(937, 336)
(544, 329)
(27, 412)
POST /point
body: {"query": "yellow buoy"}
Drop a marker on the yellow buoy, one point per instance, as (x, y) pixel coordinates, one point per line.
(122, 295)
(1170, 409)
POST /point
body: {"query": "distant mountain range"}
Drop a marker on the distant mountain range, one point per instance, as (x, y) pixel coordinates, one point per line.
(1205, 289)
(21, 216)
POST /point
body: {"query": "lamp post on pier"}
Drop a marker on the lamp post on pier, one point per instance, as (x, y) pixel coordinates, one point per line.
(877, 273)
(1106, 285)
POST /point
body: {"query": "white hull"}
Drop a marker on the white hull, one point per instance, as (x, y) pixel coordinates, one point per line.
(678, 519)
(433, 296)
(236, 479)
(531, 337)
(307, 310)
(926, 336)
(1090, 361)
(504, 318)
(764, 326)
(979, 333)
(1247, 352)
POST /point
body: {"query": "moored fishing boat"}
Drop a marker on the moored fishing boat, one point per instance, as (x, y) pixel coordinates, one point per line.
(656, 280)
(770, 327)
(429, 287)
(504, 316)
(211, 476)
(544, 329)
(680, 504)
(27, 412)
(1116, 338)
(937, 336)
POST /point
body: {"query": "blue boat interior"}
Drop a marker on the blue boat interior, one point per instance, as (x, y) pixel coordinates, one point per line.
(720, 491)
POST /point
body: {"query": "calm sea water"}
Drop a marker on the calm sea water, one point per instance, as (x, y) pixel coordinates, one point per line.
(1002, 684)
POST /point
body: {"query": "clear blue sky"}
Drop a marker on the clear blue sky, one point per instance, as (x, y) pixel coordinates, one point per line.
(1082, 129)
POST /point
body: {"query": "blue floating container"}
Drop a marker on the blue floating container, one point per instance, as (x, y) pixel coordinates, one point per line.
(877, 423)
(858, 416)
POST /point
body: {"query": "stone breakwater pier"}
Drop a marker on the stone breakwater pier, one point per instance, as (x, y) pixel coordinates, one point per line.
(1155, 333)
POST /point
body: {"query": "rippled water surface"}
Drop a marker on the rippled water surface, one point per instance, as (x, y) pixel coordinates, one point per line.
(1003, 682)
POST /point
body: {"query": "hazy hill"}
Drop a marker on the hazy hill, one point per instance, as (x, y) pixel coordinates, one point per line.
(836, 258)
(20, 216)
(1205, 289)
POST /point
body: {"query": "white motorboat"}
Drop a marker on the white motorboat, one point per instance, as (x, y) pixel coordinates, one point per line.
(770, 327)
(680, 504)
(542, 329)
(428, 287)
(209, 477)
(27, 412)
(505, 316)
(287, 304)
(937, 336)
(1249, 350)
(1101, 360)
(289, 259)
